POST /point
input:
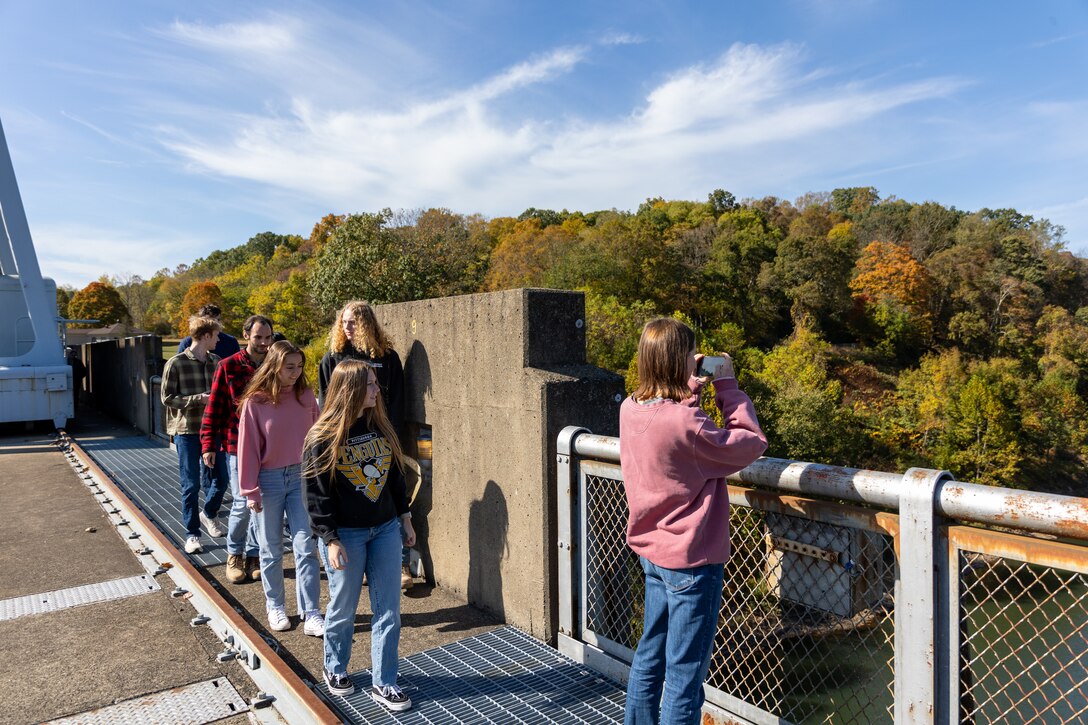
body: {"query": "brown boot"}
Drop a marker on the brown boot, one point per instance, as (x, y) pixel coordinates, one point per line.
(236, 568)
(253, 567)
(406, 580)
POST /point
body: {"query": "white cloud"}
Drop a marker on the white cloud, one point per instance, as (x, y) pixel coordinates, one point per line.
(459, 150)
(258, 36)
(73, 254)
(616, 38)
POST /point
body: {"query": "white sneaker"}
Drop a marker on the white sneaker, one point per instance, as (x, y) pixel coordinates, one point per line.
(315, 625)
(193, 546)
(212, 525)
(277, 620)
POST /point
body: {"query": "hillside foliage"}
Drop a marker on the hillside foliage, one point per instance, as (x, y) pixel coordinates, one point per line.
(870, 332)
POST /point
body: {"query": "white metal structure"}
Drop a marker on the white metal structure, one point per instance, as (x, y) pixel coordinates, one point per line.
(35, 379)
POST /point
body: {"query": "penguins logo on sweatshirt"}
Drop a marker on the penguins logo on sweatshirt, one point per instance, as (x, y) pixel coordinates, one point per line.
(364, 461)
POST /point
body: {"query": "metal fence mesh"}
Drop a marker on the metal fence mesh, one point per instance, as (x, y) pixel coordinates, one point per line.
(806, 628)
(1024, 645)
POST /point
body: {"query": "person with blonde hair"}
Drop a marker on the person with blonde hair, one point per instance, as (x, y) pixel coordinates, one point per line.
(357, 335)
(277, 409)
(674, 460)
(358, 503)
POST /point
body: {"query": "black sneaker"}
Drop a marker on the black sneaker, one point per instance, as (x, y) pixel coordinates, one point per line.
(339, 684)
(391, 697)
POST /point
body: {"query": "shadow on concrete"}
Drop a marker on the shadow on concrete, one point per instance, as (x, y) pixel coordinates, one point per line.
(417, 376)
(488, 522)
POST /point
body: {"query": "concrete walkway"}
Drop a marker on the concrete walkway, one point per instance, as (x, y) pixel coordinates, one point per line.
(76, 659)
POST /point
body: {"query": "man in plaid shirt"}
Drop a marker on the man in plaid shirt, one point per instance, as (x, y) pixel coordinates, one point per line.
(219, 441)
(186, 382)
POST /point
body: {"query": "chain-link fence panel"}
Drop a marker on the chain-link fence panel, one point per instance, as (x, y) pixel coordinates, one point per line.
(1023, 642)
(805, 631)
(806, 627)
(614, 585)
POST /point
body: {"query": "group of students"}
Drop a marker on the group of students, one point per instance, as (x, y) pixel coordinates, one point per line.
(334, 470)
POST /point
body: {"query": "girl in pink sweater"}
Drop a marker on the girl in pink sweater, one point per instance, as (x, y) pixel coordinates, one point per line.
(675, 460)
(276, 411)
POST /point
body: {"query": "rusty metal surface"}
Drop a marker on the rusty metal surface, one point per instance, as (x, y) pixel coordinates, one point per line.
(269, 661)
(1028, 510)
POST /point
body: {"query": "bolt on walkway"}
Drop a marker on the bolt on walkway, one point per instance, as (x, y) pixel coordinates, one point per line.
(498, 676)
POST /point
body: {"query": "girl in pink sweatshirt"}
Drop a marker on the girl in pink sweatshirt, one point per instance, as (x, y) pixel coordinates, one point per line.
(277, 409)
(675, 460)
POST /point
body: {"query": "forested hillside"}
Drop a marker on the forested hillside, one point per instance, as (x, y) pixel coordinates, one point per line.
(870, 332)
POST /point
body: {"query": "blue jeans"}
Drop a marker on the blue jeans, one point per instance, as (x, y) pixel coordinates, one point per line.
(375, 551)
(680, 622)
(241, 527)
(281, 492)
(195, 476)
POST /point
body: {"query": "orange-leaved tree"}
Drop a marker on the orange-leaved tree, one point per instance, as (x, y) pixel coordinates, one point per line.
(97, 301)
(895, 290)
(199, 294)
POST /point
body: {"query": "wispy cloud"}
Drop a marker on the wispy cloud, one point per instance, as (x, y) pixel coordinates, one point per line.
(459, 150)
(73, 252)
(1056, 40)
(256, 36)
(618, 38)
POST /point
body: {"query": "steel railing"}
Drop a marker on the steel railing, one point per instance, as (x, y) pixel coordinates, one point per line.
(852, 596)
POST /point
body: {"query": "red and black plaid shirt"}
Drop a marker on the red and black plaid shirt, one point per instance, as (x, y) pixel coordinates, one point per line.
(219, 427)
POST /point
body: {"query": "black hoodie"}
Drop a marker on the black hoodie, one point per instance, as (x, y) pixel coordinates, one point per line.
(365, 490)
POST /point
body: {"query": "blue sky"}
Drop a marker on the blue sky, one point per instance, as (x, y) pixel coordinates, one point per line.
(147, 134)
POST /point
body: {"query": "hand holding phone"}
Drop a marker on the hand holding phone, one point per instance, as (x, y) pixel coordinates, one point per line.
(715, 367)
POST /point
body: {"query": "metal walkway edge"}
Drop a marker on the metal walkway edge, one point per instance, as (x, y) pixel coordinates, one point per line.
(286, 691)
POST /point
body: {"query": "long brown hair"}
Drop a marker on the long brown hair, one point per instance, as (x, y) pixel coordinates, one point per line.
(370, 338)
(663, 358)
(343, 406)
(265, 383)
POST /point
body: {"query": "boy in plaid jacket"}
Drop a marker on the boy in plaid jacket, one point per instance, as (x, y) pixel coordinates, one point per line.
(186, 384)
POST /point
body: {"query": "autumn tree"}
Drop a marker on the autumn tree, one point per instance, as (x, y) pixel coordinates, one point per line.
(198, 295)
(97, 301)
(523, 257)
(894, 290)
(136, 293)
(800, 403)
(323, 231)
(613, 330)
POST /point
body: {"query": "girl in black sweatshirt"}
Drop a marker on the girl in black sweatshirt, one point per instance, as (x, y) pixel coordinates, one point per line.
(358, 503)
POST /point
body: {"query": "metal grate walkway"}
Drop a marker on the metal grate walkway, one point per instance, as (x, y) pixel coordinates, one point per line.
(147, 471)
(503, 676)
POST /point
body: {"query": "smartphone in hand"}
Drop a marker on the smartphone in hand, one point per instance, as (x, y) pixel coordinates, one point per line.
(709, 365)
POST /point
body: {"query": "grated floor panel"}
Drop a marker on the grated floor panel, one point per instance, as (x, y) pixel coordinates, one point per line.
(196, 704)
(502, 676)
(77, 596)
(147, 470)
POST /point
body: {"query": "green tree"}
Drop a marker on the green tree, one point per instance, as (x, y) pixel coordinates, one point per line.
(613, 330)
(799, 403)
(64, 296)
(97, 301)
(364, 259)
(812, 269)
